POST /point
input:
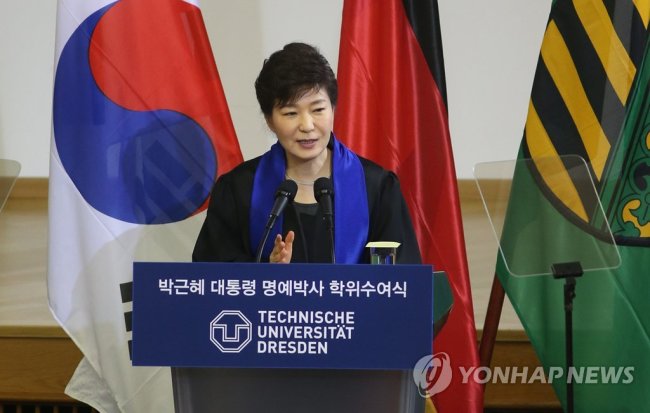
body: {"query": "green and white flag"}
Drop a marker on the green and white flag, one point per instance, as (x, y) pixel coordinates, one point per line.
(590, 98)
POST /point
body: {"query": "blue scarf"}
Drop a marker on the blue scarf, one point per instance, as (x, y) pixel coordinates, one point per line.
(350, 201)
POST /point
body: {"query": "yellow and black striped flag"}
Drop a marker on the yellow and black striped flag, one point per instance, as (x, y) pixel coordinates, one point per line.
(591, 98)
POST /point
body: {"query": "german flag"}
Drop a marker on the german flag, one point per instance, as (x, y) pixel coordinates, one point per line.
(392, 109)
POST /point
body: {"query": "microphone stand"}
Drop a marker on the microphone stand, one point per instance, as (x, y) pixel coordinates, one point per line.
(283, 196)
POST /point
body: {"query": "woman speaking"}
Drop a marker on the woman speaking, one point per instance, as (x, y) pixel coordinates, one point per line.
(297, 93)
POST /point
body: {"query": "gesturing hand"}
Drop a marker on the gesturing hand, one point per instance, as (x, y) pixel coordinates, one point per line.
(282, 250)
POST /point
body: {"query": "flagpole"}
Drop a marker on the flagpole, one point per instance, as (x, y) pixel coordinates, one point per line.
(491, 323)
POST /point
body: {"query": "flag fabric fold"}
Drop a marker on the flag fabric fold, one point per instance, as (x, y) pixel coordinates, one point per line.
(392, 110)
(591, 98)
(141, 130)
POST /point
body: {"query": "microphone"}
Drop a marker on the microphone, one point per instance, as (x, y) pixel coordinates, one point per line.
(286, 193)
(323, 193)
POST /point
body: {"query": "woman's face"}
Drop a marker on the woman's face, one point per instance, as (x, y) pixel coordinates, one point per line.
(304, 126)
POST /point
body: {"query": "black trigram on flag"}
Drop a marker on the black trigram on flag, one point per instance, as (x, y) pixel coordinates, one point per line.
(126, 291)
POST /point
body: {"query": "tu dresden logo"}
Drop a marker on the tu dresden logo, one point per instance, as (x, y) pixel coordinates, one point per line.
(231, 331)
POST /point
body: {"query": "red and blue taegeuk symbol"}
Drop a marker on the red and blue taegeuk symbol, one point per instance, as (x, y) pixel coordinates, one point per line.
(131, 121)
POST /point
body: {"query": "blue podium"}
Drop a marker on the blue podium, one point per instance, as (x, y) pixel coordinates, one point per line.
(246, 337)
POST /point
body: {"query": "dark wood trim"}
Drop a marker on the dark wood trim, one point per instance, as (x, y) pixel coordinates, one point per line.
(37, 363)
(30, 188)
(468, 190)
(36, 369)
(517, 352)
(38, 188)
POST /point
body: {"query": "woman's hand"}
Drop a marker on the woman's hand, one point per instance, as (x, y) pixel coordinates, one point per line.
(282, 249)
